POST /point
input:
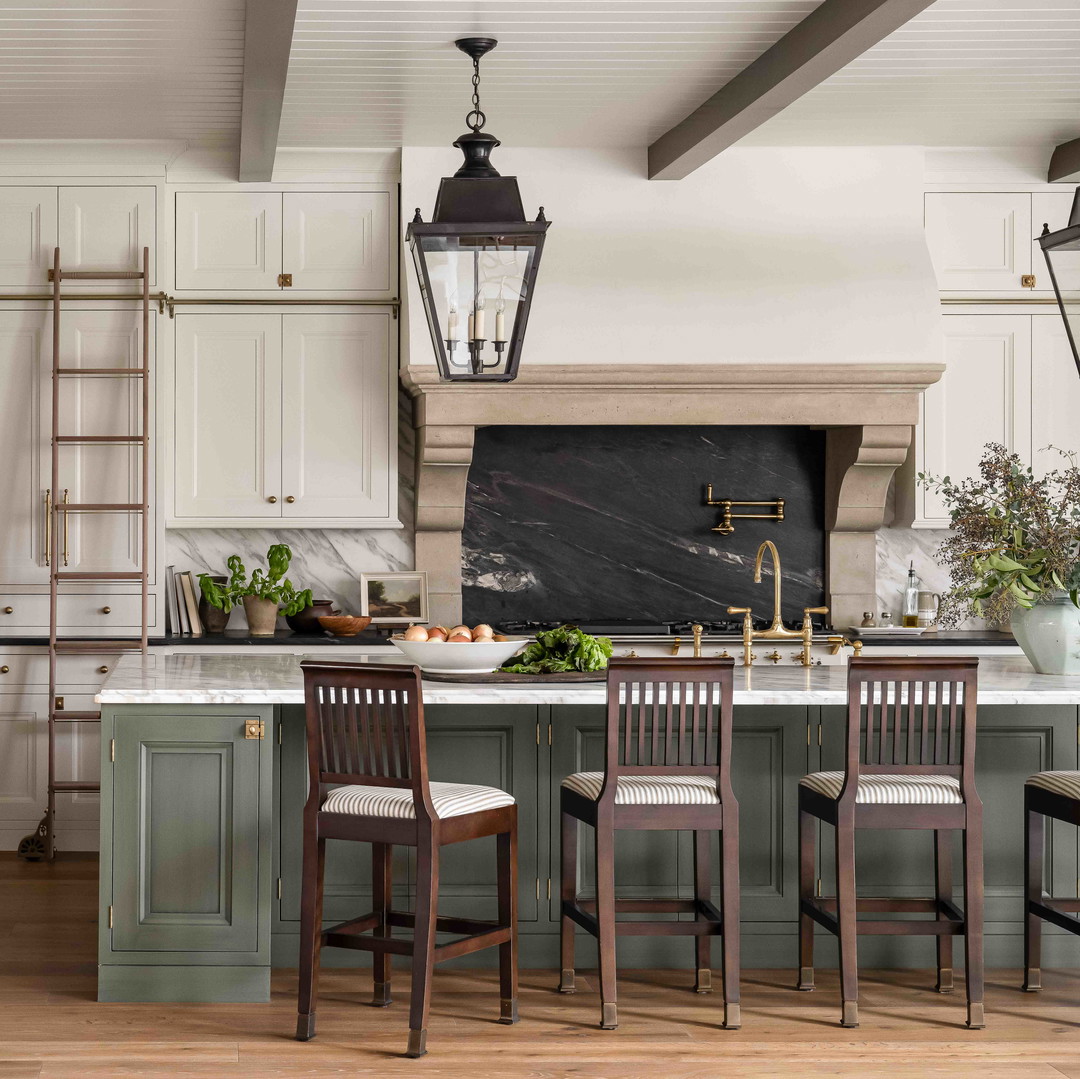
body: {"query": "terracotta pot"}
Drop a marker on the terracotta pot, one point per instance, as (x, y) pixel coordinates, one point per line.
(214, 620)
(261, 616)
(307, 620)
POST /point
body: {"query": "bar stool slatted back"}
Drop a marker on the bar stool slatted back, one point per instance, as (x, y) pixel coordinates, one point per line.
(909, 763)
(667, 767)
(368, 782)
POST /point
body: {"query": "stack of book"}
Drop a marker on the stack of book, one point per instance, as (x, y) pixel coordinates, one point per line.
(182, 603)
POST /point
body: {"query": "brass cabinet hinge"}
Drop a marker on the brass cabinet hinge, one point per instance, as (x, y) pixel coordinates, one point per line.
(808, 733)
(110, 918)
(818, 891)
(538, 734)
(284, 280)
(538, 889)
(819, 734)
(254, 728)
(112, 750)
(1027, 280)
(279, 887)
(549, 734)
(280, 729)
(549, 889)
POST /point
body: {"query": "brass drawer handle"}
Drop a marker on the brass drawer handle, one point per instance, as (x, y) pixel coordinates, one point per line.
(4, 669)
(103, 669)
(106, 610)
(290, 499)
(272, 498)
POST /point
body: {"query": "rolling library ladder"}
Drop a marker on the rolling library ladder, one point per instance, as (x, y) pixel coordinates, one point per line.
(42, 843)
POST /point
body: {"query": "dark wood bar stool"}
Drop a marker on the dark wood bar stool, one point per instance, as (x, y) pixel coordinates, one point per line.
(1055, 795)
(910, 763)
(667, 767)
(365, 730)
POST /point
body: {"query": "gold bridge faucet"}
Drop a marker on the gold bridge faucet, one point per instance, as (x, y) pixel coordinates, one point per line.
(776, 631)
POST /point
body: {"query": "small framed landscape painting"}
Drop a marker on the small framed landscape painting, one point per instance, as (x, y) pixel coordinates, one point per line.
(394, 597)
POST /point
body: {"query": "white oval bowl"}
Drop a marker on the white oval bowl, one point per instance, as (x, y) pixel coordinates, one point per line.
(461, 657)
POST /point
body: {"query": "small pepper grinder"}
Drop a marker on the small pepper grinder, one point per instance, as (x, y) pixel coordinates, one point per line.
(867, 620)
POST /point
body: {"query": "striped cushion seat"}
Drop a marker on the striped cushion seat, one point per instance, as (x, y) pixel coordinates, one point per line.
(448, 799)
(1066, 783)
(648, 790)
(890, 789)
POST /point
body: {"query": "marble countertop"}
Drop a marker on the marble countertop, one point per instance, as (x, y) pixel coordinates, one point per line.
(207, 678)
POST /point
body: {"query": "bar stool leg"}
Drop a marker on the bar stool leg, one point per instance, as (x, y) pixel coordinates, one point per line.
(382, 882)
(807, 844)
(568, 894)
(508, 957)
(729, 927)
(1033, 861)
(973, 918)
(605, 921)
(943, 876)
(845, 916)
(311, 904)
(703, 891)
(423, 958)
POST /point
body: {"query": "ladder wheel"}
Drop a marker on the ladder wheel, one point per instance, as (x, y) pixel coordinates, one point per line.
(32, 848)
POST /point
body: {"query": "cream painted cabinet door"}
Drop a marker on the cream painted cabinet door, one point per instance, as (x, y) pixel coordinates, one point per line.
(983, 396)
(25, 366)
(1052, 208)
(227, 424)
(27, 235)
(106, 228)
(334, 241)
(103, 472)
(337, 402)
(979, 241)
(23, 759)
(1055, 393)
(228, 240)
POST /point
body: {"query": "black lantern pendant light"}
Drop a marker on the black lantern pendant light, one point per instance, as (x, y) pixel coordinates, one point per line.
(1066, 239)
(478, 257)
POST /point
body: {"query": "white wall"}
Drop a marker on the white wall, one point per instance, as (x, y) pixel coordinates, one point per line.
(765, 255)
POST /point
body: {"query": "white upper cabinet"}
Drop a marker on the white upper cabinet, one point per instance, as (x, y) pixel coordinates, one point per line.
(979, 241)
(1055, 393)
(27, 235)
(335, 416)
(337, 240)
(1052, 208)
(311, 241)
(228, 240)
(106, 228)
(227, 436)
(285, 417)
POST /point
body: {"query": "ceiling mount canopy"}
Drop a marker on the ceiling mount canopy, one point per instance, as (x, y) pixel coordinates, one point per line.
(476, 261)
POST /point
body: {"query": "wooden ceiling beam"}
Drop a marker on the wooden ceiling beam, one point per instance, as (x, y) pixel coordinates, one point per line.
(1065, 163)
(829, 38)
(268, 34)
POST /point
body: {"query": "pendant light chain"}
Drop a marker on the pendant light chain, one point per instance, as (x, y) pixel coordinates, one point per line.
(475, 119)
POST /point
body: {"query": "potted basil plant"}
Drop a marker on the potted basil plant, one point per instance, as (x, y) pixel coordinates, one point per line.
(263, 595)
(1014, 554)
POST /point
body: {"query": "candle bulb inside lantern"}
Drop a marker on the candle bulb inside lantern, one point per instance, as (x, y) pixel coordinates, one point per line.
(453, 333)
(500, 325)
(480, 323)
(472, 335)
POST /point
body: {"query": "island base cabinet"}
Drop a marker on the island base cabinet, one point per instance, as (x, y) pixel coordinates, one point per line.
(186, 800)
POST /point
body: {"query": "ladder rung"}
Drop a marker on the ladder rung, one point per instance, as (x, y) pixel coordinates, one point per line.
(67, 786)
(78, 439)
(98, 275)
(102, 644)
(76, 717)
(103, 575)
(129, 372)
(100, 507)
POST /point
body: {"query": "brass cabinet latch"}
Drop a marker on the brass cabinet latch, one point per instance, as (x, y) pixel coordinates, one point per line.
(254, 728)
(284, 280)
(1027, 280)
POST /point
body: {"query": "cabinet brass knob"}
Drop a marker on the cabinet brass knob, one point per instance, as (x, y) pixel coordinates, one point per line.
(106, 610)
(272, 498)
(4, 669)
(103, 669)
(9, 610)
(290, 499)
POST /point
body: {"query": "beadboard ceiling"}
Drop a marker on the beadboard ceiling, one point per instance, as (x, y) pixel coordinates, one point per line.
(121, 69)
(621, 72)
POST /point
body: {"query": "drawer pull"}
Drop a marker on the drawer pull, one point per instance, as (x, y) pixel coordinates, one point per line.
(106, 610)
(272, 498)
(103, 669)
(4, 669)
(290, 499)
(9, 610)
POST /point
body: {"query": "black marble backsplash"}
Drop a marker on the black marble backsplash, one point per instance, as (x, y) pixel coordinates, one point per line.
(594, 523)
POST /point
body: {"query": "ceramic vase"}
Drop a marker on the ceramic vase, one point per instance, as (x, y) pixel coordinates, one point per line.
(261, 616)
(213, 620)
(1049, 634)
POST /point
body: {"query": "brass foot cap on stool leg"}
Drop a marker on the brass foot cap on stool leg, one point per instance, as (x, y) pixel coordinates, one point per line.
(703, 983)
(976, 1019)
(508, 1012)
(806, 980)
(609, 1016)
(381, 997)
(566, 982)
(1033, 980)
(417, 1043)
(945, 980)
(732, 1016)
(850, 1016)
(305, 1027)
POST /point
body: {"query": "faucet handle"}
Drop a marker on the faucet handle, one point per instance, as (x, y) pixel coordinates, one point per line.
(815, 610)
(738, 610)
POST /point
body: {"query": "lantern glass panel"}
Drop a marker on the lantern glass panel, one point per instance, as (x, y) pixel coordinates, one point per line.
(478, 293)
(1062, 252)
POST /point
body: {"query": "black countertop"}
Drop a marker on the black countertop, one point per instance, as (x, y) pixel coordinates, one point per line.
(981, 638)
(229, 637)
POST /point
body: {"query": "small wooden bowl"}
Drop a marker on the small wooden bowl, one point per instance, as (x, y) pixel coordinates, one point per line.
(344, 625)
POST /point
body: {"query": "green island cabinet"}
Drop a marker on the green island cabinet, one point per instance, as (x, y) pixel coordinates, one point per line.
(201, 840)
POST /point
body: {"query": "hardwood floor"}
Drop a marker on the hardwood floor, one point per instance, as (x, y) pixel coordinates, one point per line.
(52, 1028)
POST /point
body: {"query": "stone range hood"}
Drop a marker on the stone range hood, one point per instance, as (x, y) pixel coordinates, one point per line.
(867, 410)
